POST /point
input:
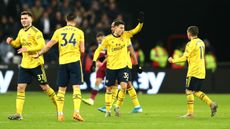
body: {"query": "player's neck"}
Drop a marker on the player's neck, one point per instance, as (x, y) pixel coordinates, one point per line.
(26, 27)
(194, 37)
(70, 24)
(116, 35)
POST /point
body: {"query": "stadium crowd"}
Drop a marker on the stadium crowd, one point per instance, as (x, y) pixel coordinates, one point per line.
(93, 16)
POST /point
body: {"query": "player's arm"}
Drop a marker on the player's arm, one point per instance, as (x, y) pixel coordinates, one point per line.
(82, 43)
(132, 54)
(189, 48)
(136, 29)
(47, 47)
(15, 43)
(99, 49)
(41, 43)
(97, 53)
(139, 26)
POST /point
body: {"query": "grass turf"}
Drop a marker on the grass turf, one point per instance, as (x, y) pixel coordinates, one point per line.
(160, 111)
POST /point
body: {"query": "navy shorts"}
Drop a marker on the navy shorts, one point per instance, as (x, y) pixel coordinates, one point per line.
(25, 75)
(194, 84)
(122, 75)
(130, 74)
(70, 74)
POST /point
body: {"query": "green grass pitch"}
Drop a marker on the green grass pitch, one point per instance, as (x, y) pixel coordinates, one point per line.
(160, 111)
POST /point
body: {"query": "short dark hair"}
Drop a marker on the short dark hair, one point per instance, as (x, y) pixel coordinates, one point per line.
(26, 13)
(193, 30)
(100, 34)
(71, 16)
(117, 22)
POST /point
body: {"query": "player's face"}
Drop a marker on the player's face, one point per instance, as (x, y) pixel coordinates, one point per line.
(188, 35)
(119, 29)
(26, 20)
(99, 39)
(112, 27)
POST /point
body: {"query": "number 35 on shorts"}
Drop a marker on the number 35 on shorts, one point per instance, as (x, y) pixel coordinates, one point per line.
(126, 76)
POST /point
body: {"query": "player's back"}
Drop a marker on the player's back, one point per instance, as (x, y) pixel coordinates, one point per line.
(68, 39)
(196, 60)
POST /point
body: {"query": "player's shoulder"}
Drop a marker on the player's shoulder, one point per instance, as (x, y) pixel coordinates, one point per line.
(78, 29)
(109, 37)
(197, 41)
(35, 30)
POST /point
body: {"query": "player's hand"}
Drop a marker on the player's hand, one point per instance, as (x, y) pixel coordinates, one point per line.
(93, 66)
(21, 50)
(141, 17)
(9, 40)
(138, 68)
(170, 60)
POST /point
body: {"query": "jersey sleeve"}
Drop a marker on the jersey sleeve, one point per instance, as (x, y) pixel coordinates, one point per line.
(99, 49)
(55, 36)
(188, 50)
(82, 37)
(135, 30)
(40, 41)
(129, 43)
(16, 43)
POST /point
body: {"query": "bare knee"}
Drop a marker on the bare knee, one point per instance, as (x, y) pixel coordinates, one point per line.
(109, 89)
(45, 87)
(98, 81)
(188, 92)
(123, 85)
(129, 85)
(21, 87)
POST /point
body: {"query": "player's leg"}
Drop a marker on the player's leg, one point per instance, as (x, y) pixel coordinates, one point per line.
(110, 82)
(76, 79)
(190, 104)
(114, 93)
(63, 78)
(133, 95)
(132, 92)
(77, 102)
(123, 77)
(23, 79)
(190, 97)
(202, 96)
(60, 102)
(40, 75)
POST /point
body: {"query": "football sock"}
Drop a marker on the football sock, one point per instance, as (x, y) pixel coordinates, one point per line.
(77, 99)
(108, 99)
(190, 103)
(20, 102)
(60, 101)
(203, 97)
(114, 94)
(93, 94)
(50, 92)
(133, 96)
(120, 98)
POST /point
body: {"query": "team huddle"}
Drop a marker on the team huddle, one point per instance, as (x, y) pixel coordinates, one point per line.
(119, 60)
